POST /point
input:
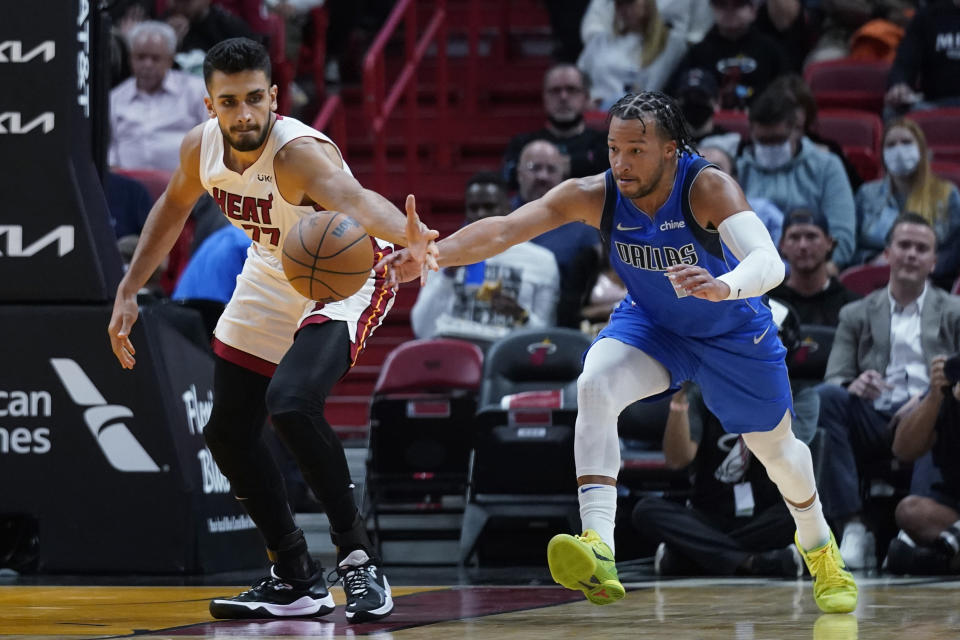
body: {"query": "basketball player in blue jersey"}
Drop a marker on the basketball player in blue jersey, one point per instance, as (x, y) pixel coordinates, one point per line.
(695, 261)
(276, 352)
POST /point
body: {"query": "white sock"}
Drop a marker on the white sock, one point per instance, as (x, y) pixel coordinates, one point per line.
(598, 510)
(812, 529)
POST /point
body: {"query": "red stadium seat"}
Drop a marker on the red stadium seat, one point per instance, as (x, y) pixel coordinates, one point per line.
(942, 130)
(595, 119)
(851, 84)
(865, 278)
(867, 162)
(851, 128)
(733, 121)
(421, 426)
(948, 171)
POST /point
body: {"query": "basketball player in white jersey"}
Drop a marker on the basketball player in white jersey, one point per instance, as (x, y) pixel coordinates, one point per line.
(277, 353)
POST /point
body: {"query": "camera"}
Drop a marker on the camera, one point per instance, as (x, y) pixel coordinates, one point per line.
(951, 368)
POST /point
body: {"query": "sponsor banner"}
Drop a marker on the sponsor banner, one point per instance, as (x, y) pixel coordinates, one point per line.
(225, 535)
(56, 240)
(112, 462)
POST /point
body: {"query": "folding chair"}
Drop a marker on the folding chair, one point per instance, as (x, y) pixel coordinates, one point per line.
(421, 428)
(522, 472)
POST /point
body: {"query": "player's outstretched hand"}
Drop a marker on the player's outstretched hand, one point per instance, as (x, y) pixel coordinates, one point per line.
(698, 282)
(420, 239)
(401, 267)
(125, 313)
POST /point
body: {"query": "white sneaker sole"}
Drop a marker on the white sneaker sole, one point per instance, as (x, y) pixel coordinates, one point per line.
(305, 606)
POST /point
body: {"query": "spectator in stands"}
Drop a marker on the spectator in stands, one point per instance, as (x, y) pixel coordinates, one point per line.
(881, 356)
(129, 203)
(485, 301)
(565, 97)
(692, 18)
(926, 70)
(698, 96)
(841, 19)
(211, 273)
(565, 19)
(909, 185)
(769, 213)
(151, 111)
(929, 541)
(785, 166)
(636, 51)
(541, 168)
(199, 25)
(742, 58)
(796, 86)
(593, 291)
(152, 290)
(815, 294)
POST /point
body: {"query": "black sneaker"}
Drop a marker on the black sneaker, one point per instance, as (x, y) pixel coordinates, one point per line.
(366, 588)
(784, 562)
(274, 597)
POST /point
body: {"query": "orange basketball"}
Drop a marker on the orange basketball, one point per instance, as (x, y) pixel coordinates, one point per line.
(327, 256)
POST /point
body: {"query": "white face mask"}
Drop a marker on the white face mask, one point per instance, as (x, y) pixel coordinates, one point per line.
(901, 159)
(773, 156)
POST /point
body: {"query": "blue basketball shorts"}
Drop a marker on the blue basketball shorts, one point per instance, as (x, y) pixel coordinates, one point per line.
(742, 374)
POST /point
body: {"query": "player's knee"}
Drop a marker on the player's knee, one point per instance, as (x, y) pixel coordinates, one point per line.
(287, 398)
(911, 512)
(594, 392)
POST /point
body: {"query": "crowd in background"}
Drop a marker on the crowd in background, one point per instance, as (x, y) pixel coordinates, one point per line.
(882, 409)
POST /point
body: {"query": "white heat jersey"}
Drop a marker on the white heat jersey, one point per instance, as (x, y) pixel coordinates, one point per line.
(259, 323)
(251, 200)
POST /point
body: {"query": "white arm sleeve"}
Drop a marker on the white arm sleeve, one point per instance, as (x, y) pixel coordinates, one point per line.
(760, 268)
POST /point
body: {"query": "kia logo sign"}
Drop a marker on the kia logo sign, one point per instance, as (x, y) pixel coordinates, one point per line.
(11, 241)
(12, 51)
(12, 123)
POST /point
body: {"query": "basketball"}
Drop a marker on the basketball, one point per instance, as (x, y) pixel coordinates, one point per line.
(327, 256)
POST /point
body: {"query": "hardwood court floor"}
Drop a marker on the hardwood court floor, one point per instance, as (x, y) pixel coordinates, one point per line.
(736, 609)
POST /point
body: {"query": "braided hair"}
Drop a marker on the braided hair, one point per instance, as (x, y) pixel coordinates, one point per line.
(663, 110)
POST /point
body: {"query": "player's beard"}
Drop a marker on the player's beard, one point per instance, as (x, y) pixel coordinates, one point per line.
(246, 144)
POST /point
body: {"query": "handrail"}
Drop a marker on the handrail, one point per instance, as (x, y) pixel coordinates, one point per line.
(379, 102)
(333, 120)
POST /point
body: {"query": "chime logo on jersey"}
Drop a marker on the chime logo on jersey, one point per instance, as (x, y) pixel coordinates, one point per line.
(649, 258)
(253, 213)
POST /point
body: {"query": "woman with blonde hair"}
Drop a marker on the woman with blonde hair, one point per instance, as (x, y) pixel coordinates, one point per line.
(908, 185)
(638, 51)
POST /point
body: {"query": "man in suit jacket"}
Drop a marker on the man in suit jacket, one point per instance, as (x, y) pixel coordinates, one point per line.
(881, 356)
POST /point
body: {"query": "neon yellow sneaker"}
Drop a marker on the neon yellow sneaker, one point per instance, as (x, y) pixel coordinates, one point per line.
(834, 589)
(585, 563)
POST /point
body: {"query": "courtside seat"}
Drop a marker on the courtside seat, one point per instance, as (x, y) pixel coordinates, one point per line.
(421, 427)
(522, 474)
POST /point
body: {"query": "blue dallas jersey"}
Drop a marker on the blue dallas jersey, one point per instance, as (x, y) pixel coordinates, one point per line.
(642, 248)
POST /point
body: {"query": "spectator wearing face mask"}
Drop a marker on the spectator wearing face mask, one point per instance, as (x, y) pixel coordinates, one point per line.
(783, 165)
(909, 185)
(698, 95)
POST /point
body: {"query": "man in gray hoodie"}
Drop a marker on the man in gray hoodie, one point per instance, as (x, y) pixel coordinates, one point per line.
(783, 165)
